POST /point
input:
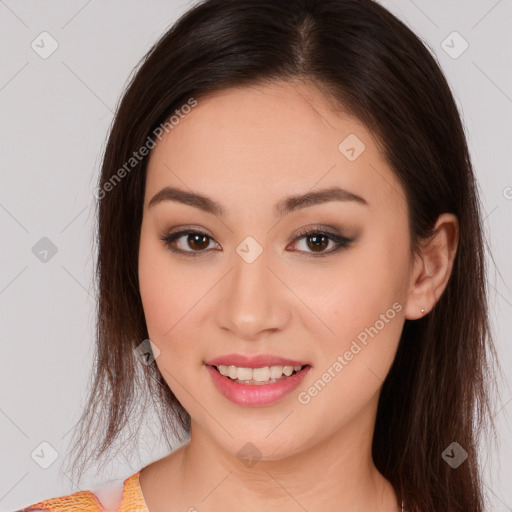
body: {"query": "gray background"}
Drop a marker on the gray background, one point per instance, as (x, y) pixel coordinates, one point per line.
(55, 113)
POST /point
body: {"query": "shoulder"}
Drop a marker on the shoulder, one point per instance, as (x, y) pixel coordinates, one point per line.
(84, 501)
(103, 498)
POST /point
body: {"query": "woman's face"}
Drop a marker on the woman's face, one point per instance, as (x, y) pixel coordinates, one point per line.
(255, 285)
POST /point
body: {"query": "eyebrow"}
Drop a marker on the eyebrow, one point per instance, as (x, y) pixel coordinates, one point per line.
(282, 208)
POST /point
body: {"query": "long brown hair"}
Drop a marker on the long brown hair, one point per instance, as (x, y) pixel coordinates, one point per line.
(366, 60)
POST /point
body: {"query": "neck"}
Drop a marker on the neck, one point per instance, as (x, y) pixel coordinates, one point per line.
(336, 473)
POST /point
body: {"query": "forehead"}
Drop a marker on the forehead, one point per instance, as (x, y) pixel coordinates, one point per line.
(268, 141)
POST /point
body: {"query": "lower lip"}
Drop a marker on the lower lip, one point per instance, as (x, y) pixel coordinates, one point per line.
(256, 394)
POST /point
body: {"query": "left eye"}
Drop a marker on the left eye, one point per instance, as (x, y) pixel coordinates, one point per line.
(315, 239)
(319, 240)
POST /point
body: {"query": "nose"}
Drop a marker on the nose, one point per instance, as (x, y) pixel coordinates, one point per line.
(253, 302)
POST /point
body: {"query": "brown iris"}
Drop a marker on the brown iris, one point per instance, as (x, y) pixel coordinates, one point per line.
(319, 242)
(198, 241)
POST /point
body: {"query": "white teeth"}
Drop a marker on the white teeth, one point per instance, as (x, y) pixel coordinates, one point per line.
(287, 370)
(258, 374)
(244, 374)
(276, 372)
(232, 372)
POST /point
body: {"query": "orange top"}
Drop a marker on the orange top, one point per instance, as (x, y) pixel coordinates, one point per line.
(86, 501)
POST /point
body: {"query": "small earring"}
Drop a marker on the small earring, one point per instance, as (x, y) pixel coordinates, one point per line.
(422, 310)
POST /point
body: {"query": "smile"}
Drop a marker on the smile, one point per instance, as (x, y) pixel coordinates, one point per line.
(256, 386)
(263, 375)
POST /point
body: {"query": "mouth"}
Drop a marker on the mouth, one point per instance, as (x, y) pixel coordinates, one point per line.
(257, 386)
(259, 376)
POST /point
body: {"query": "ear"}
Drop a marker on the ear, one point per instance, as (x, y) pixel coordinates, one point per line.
(432, 267)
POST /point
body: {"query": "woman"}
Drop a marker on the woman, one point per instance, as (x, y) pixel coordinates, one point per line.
(291, 257)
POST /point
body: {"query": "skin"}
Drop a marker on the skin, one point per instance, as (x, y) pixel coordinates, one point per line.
(247, 148)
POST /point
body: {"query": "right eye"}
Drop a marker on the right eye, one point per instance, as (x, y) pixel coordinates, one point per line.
(197, 240)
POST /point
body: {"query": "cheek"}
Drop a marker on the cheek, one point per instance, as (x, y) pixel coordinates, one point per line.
(160, 287)
(361, 300)
(361, 286)
(168, 296)
(171, 300)
(151, 285)
(365, 312)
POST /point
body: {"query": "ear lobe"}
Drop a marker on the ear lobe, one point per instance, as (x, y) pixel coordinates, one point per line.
(432, 267)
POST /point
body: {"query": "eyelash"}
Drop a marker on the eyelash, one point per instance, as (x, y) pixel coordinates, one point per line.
(340, 241)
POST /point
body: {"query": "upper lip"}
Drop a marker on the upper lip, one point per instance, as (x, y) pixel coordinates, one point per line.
(257, 361)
